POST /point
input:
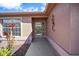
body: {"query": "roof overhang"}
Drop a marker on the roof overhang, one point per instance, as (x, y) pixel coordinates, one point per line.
(48, 9)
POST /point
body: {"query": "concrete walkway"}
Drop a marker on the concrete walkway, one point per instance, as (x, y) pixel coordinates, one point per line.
(41, 47)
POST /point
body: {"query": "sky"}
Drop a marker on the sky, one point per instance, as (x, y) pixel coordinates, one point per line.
(22, 7)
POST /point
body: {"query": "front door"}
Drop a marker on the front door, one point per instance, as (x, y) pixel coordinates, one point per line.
(39, 28)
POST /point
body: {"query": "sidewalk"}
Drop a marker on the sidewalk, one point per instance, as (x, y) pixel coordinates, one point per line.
(41, 47)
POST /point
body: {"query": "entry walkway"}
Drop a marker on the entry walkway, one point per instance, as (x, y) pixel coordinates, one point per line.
(41, 47)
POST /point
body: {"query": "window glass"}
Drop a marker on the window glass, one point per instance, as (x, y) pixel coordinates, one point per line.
(16, 31)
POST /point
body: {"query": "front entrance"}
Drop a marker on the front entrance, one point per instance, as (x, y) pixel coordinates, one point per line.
(39, 29)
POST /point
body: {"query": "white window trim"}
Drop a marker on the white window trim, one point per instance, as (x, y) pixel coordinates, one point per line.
(20, 18)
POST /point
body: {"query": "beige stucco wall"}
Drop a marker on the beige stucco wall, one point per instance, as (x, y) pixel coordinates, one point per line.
(66, 33)
(26, 27)
(75, 28)
(62, 26)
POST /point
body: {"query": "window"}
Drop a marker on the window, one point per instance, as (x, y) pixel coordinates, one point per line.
(16, 31)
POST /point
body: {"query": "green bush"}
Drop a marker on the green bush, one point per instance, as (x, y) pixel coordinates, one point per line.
(5, 52)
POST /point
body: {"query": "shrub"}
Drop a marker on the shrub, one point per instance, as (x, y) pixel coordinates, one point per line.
(5, 52)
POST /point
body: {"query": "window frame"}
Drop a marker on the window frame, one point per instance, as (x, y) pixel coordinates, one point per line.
(12, 18)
